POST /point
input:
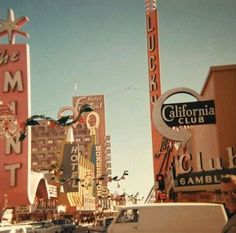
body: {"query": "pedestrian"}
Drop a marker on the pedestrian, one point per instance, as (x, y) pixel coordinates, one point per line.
(228, 190)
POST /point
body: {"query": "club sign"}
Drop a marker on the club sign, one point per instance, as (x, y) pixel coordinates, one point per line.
(166, 116)
(192, 113)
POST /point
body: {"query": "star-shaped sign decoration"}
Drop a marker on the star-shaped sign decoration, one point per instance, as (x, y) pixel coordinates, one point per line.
(11, 27)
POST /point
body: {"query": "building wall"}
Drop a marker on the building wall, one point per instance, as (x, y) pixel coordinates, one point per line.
(226, 112)
(202, 183)
(47, 144)
(212, 140)
(204, 138)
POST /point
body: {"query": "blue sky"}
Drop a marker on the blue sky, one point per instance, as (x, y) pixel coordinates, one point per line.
(102, 45)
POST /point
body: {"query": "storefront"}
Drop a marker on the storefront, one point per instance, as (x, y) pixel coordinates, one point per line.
(193, 171)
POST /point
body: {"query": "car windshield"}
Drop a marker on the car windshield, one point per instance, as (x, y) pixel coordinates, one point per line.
(108, 221)
(128, 215)
(99, 222)
(59, 221)
(39, 224)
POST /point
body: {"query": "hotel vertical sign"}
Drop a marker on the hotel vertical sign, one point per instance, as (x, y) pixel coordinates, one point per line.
(95, 122)
(14, 92)
(153, 72)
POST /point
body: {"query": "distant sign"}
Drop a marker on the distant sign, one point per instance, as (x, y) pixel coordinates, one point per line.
(71, 163)
(191, 113)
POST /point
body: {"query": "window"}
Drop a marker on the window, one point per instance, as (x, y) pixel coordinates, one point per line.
(87, 139)
(78, 140)
(44, 134)
(40, 128)
(34, 164)
(50, 141)
(108, 144)
(108, 151)
(40, 156)
(44, 148)
(54, 162)
(59, 140)
(50, 155)
(41, 142)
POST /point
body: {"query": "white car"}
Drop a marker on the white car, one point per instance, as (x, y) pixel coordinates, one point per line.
(17, 229)
(5, 224)
(170, 217)
(46, 227)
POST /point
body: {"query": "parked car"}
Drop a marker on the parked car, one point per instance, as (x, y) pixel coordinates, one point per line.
(29, 229)
(100, 225)
(46, 227)
(5, 224)
(170, 217)
(17, 229)
(67, 226)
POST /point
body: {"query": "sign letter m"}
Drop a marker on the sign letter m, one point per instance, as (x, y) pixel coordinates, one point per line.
(13, 82)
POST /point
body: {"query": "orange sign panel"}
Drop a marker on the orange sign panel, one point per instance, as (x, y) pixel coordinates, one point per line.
(14, 91)
(154, 76)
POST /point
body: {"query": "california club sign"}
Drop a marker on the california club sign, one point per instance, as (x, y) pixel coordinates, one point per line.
(167, 116)
(192, 113)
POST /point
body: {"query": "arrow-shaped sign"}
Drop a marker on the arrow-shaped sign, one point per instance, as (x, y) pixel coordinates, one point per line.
(182, 135)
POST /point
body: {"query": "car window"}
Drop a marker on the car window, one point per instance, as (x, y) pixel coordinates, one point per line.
(99, 223)
(128, 215)
(108, 221)
(39, 224)
(19, 230)
(47, 224)
(59, 221)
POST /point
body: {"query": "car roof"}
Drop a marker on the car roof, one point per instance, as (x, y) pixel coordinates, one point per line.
(169, 204)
